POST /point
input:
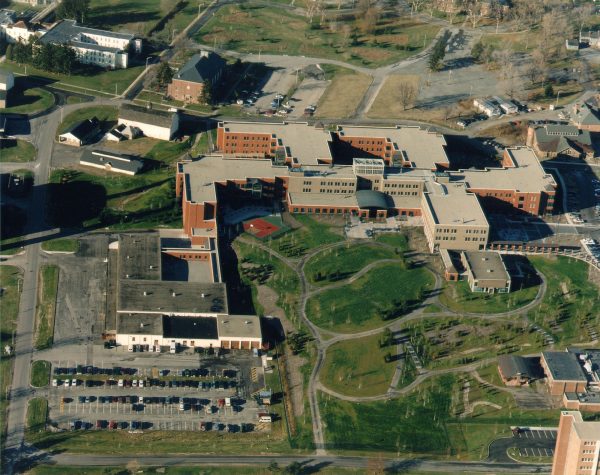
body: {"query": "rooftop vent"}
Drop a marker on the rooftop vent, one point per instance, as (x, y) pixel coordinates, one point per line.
(145, 293)
(127, 276)
(173, 294)
(202, 295)
(141, 325)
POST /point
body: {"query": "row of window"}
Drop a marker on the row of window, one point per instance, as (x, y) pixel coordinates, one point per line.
(369, 142)
(400, 185)
(404, 193)
(474, 239)
(474, 231)
(254, 138)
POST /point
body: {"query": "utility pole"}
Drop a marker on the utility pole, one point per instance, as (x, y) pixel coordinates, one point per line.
(557, 96)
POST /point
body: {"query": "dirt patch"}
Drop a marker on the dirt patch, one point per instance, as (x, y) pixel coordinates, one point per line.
(388, 102)
(343, 95)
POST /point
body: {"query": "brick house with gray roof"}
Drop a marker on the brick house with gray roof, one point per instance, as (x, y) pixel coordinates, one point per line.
(202, 69)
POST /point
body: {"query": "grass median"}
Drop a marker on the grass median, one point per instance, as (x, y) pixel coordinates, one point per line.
(37, 416)
(46, 306)
(29, 101)
(61, 245)
(40, 373)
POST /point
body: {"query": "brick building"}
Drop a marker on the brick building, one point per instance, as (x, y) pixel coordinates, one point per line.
(577, 450)
(563, 372)
(202, 70)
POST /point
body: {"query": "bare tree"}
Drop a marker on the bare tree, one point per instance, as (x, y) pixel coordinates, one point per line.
(369, 21)
(504, 59)
(415, 5)
(475, 12)
(407, 93)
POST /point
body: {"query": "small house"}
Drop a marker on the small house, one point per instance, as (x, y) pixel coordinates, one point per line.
(158, 124)
(113, 162)
(81, 133)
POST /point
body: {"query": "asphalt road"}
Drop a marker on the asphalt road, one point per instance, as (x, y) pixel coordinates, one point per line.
(394, 465)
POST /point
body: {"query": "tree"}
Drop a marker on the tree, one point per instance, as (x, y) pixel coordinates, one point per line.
(206, 96)
(9, 52)
(74, 9)
(164, 74)
(407, 93)
(369, 20)
(438, 52)
(549, 90)
(273, 467)
(295, 468)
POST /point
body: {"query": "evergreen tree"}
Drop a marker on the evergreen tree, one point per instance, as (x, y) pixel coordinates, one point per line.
(77, 10)
(549, 90)
(164, 75)
(206, 96)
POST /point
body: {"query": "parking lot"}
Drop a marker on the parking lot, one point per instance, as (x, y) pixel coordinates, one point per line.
(280, 82)
(308, 93)
(540, 434)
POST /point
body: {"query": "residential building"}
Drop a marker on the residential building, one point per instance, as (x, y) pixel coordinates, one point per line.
(572, 45)
(585, 117)
(81, 133)
(550, 141)
(486, 272)
(590, 38)
(112, 162)
(507, 107)
(577, 450)
(102, 48)
(153, 123)
(202, 70)
(7, 82)
(517, 370)
(563, 372)
(16, 27)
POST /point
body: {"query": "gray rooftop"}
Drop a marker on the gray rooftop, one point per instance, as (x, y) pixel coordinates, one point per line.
(4, 75)
(557, 138)
(201, 67)
(450, 204)
(139, 256)
(116, 160)
(239, 326)
(564, 366)
(145, 115)
(486, 265)
(513, 365)
(68, 31)
(139, 324)
(169, 297)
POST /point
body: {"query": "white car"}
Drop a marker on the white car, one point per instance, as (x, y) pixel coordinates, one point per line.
(141, 383)
(134, 383)
(67, 383)
(54, 383)
(120, 383)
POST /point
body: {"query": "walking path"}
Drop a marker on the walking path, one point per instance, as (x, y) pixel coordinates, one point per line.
(325, 338)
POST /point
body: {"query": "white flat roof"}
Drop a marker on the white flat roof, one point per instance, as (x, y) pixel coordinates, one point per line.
(452, 205)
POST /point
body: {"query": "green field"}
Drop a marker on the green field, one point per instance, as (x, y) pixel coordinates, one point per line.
(425, 421)
(107, 115)
(311, 233)
(161, 442)
(276, 275)
(398, 240)
(46, 306)
(362, 304)
(12, 282)
(17, 151)
(61, 245)
(342, 262)
(142, 16)
(457, 296)
(29, 101)
(253, 27)
(446, 342)
(40, 373)
(37, 415)
(96, 82)
(357, 367)
(572, 302)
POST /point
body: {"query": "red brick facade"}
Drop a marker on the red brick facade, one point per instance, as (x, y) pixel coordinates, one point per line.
(185, 91)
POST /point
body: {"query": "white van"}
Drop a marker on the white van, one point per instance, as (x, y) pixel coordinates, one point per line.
(264, 418)
(130, 348)
(173, 348)
(227, 402)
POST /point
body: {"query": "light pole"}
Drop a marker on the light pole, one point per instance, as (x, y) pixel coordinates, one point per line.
(149, 57)
(557, 96)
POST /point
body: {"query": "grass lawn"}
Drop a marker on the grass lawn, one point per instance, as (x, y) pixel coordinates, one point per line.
(311, 234)
(411, 424)
(18, 151)
(572, 302)
(61, 245)
(282, 279)
(457, 296)
(141, 16)
(343, 95)
(357, 367)
(12, 282)
(347, 308)
(40, 373)
(37, 415)
(447, 342)
(341, 263)
(205, 469)
(387, 104)
(107, 115)
(254, 27)
(29, 101)
(161, 442)
(46, 307)
(425, 422)
(102, 82)
(397, 240)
